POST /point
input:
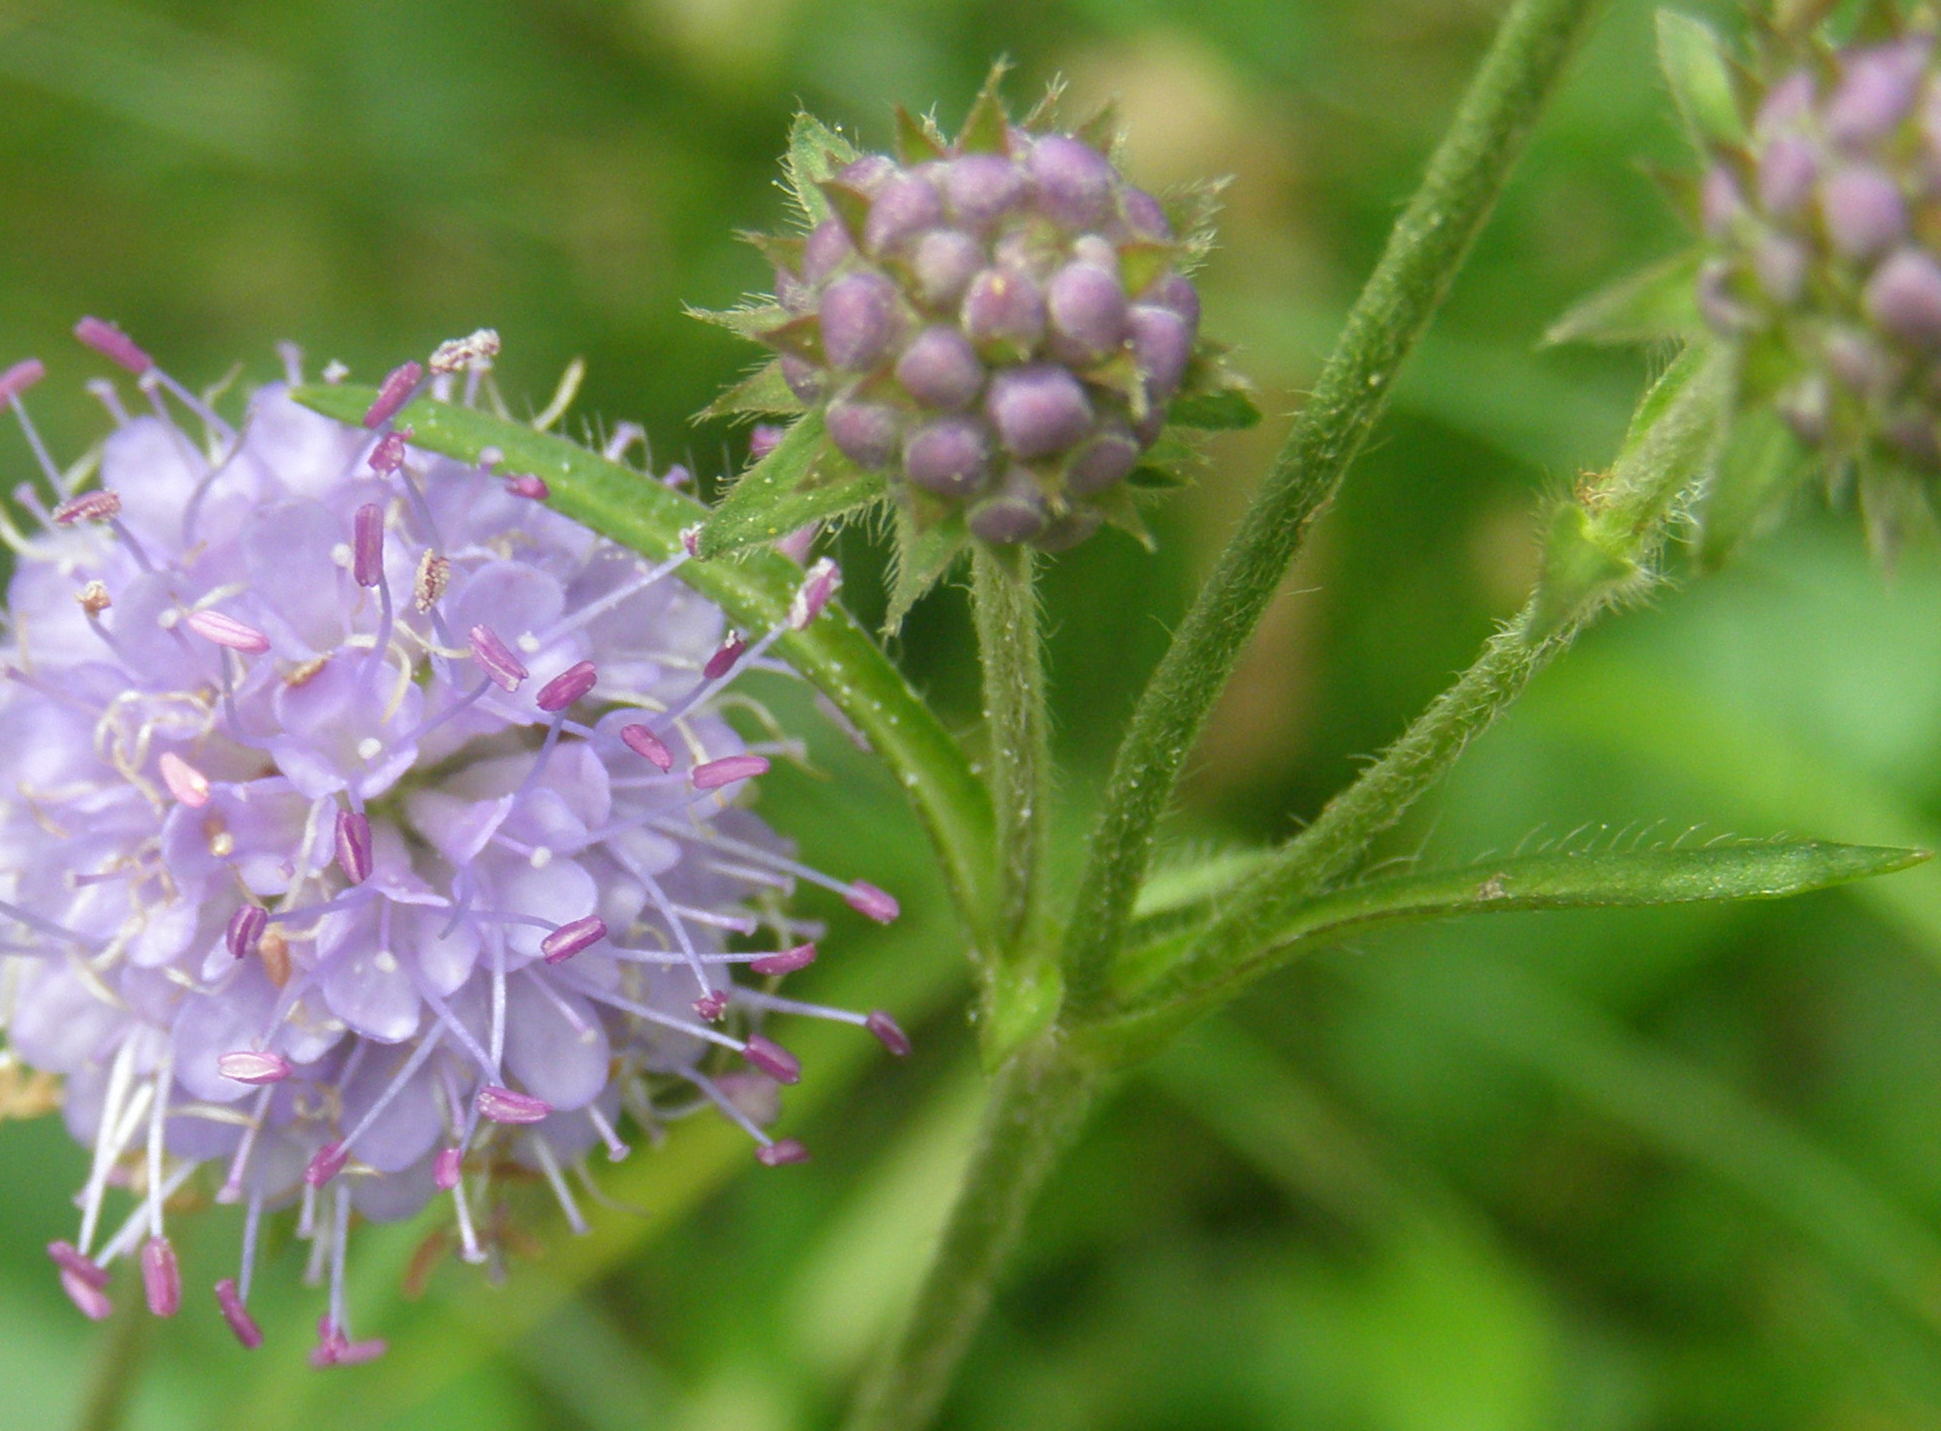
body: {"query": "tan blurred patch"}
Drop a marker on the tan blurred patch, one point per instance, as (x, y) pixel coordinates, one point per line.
(26, 1094)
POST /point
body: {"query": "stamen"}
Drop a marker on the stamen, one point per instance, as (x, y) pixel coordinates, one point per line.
(505, 1105)
(254, 1066)
(447, 1167)
(458, 354)
(866, 899)
(616, 1150)
(90, 1301)
(325, 1164)
(787, 962)
(567, 687)
(161, 1277)
(712, 1005)
(434, 575)
(184, 781)
(771, 1058)
(814, 594)
(888, 1033)
(392, 394)
(725, 656)
(97, 506)
(85, 1269)
(642, 741)
(782, 1152)
(245, 929)
(21, 376)
(237, 1315)
(226, 630)
(569, 939)
(354, 845)
(549, 1165)
(367, 566)
(727, 770)
(506, 669)
(388, 456)
(113, 344)
(525, 484)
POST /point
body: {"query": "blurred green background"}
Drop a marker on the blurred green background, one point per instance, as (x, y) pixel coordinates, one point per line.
(1650, 1170)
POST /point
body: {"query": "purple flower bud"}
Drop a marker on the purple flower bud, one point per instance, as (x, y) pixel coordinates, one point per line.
(1863, 210)
(867, 174)
(1145, 215)
(803, 377)
(981, 189)
(865, 432)
(1785, 104)
(1782, 265)
(161, 1277)
(1073, 180)
(1162, 345)
(1004, 313)
(1038, 410)
(506, 1105)
(727, 770)
(1877, 90)
(1088, 312)
(1859, 362)
(787, 962)
(859, 319)
(771, 1058)
(113, 344)
(1069, 530)
(903, 208)
(888, 1033)
(1787, 170)
(951, 455)
(1720, 202)
(826, 250)
(1104, 461)
(1175, 291)
(1016, 513)
(940, 369)
(572, 684)
(945, 262)
(1904, 297)
(569, 939)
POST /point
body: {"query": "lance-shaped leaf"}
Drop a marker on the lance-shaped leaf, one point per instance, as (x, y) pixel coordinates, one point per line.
(922, 557)
(832, 652)
(803, 480)
(1584, 880)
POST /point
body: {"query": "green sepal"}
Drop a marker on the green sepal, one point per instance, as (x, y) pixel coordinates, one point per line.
(1141, 263)
(1891, 505)
(1190, 209)
(1167, 465)
(763, 393)
(750, 320)
(1700, 77)
(1104, 129)
(917, 139)
(1759, 470)
(798, 337)
(847, 204)
(803, 480)
(987, 128)
(781, 250)
(1120, 509)
(816, 154)
(1581, 571)
(1652, 304)
(921, 557)
(1213, 397)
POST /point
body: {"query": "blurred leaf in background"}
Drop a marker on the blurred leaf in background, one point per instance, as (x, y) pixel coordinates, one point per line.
(1608, 1171)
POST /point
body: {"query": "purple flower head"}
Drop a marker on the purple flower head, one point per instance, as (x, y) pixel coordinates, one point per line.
(400, 836)
(1013, 273)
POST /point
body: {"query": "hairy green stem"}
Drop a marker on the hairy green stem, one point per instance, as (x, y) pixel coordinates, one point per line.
(1004, 597)
(1038, 1101)
(1424, 251)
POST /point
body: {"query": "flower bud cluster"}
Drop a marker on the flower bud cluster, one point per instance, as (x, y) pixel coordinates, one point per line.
(369, 832)
(999, 327)
(1824, 233)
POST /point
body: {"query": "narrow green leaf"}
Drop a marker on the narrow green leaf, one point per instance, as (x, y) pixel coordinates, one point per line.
(816, 155)
(1655, 303)
(750, 320)
(833, 653)
(1700, 76)
(1589, 880)
(1761, 463)
(803, 480)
